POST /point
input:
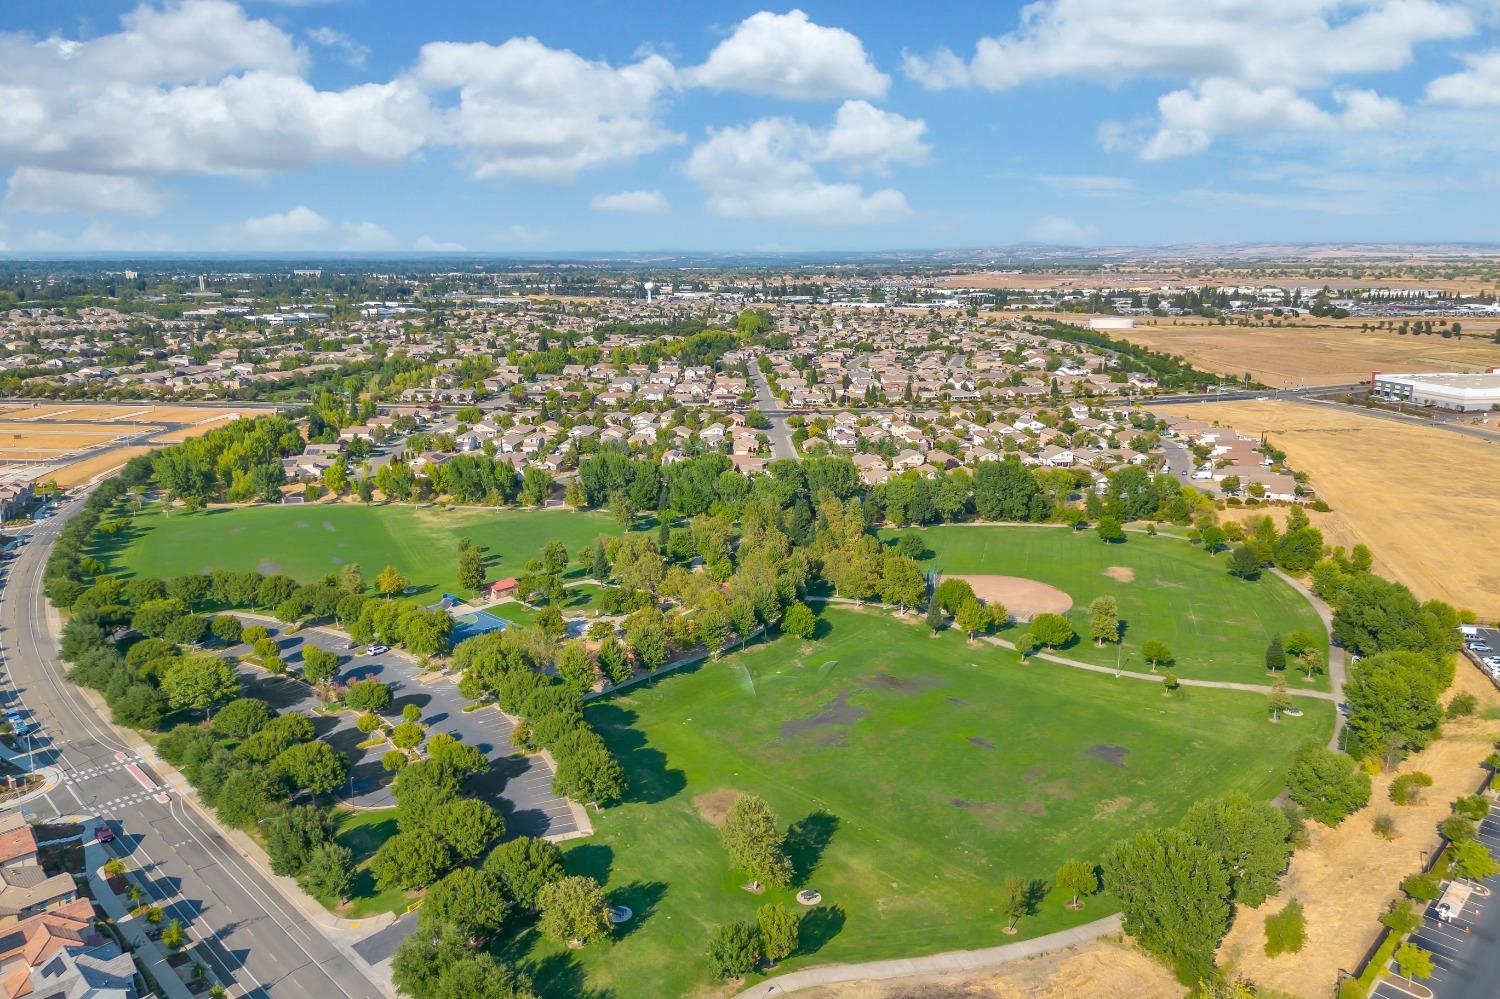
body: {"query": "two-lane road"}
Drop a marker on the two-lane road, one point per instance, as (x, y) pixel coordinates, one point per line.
(253, 936)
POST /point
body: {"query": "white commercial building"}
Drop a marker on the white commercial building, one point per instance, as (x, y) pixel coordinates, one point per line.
(1460, 392)
(1111, 323)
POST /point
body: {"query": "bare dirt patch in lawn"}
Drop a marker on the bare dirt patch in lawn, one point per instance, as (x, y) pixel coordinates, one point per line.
(1120, 573)
(1113, 755)
(713, 807)
(836, 712)
(1024, 598)
(1101, 969)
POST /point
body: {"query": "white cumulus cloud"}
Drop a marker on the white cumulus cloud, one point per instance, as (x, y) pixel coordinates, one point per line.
(34, 189)
(790, 56)
(769, 168)
(1059, 230)
(526, 110)
(427, 244)
(637, 202)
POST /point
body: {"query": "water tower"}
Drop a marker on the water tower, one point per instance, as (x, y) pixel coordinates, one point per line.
(650, 286)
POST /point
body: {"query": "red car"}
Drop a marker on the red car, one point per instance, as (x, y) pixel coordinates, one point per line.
(104, 834)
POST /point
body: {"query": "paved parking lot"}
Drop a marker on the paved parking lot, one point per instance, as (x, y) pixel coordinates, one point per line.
(520, 786)
(1465, 955)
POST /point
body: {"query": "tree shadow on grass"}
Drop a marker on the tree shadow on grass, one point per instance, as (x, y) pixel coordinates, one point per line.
(651, 780)
(818, 927)
(641, 897)
(556, 976)
(806, 839)
(591, 860)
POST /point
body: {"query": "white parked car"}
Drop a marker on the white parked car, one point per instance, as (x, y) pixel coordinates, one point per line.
(377, 650)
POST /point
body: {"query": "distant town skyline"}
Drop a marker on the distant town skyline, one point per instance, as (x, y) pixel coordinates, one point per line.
(457, 126)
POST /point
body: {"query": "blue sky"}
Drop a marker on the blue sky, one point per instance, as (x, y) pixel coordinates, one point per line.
(385, 125)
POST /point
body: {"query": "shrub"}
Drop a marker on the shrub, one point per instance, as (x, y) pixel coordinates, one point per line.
(1384, 826)
(1406, 789)
(1458, 829)
(1422, 887)
(1462, 705)
(1472, 806)
(1286, 931)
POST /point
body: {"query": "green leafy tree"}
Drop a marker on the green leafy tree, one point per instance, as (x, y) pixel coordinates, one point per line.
(576, 667)
(319, 666)
(1109, 529)
(1275, 655)
(1472, 860)
(754, 843)
(315, 767)
(734, 949)
(799, 621)
(467, 825)
(573, 909)
(1014, 901)
(201, 682)
(934, 617)
(471, 569)
(469, 899)
(1156, 653)
(329, 871)
(1328, 785)
(902, 582)
(1104, 620)
(1142, 871)
(524, 866)
(1051, 630)
(292, 836)
(1251, 838)
(778, 927)
(1078, 880)
(409, 861)
(368, 695)
(1413, 961)
(1243, 563)
(390, 582)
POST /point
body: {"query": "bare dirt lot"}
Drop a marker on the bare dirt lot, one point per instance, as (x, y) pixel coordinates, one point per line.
(79, 472)
(1104, 969)
(1347, 876)
(1024, 598)
(1423, 499)
(23, 441)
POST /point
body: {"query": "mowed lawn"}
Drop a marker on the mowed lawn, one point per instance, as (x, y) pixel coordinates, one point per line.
(1217, 626)
(308, 542)
(917, 773)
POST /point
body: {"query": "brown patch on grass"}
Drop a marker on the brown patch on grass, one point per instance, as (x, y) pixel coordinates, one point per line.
(713, 806)
(1120, 573)
(1347, 876)
(1101, 969)
(1422, 498)
(1111, 807)
(1024, 598)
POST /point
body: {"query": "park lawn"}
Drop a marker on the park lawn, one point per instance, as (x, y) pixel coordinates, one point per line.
(308, 542)
(581, 597)
(362, 831)
(919, 772)
(1217, 626)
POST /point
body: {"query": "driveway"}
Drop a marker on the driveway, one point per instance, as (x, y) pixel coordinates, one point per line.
(519, 785)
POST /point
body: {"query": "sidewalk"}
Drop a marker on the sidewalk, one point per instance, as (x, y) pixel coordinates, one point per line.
(147, 952)
(933, 964)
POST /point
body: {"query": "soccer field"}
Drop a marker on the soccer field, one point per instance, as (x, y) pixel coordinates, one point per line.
(916, 773)
(1217, 626)
(308, 542)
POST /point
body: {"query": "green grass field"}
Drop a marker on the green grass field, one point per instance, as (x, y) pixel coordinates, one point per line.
(917, 773)
(1216, 626)
(362, 832)
(308, 542)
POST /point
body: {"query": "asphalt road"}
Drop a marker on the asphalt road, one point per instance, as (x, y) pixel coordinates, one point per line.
(250, 934)
(778, 432)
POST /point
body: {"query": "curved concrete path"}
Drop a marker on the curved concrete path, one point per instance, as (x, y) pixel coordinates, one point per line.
(933, 964)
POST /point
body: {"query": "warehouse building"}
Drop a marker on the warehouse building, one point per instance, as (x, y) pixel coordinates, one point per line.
(1463, 393)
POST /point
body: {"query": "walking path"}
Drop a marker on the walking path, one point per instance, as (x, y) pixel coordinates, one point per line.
(1252, 688)
(933, 964)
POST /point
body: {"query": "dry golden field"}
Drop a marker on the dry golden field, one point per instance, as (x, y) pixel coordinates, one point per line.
(1316, 352)
(79, 472)
(1422, 498)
